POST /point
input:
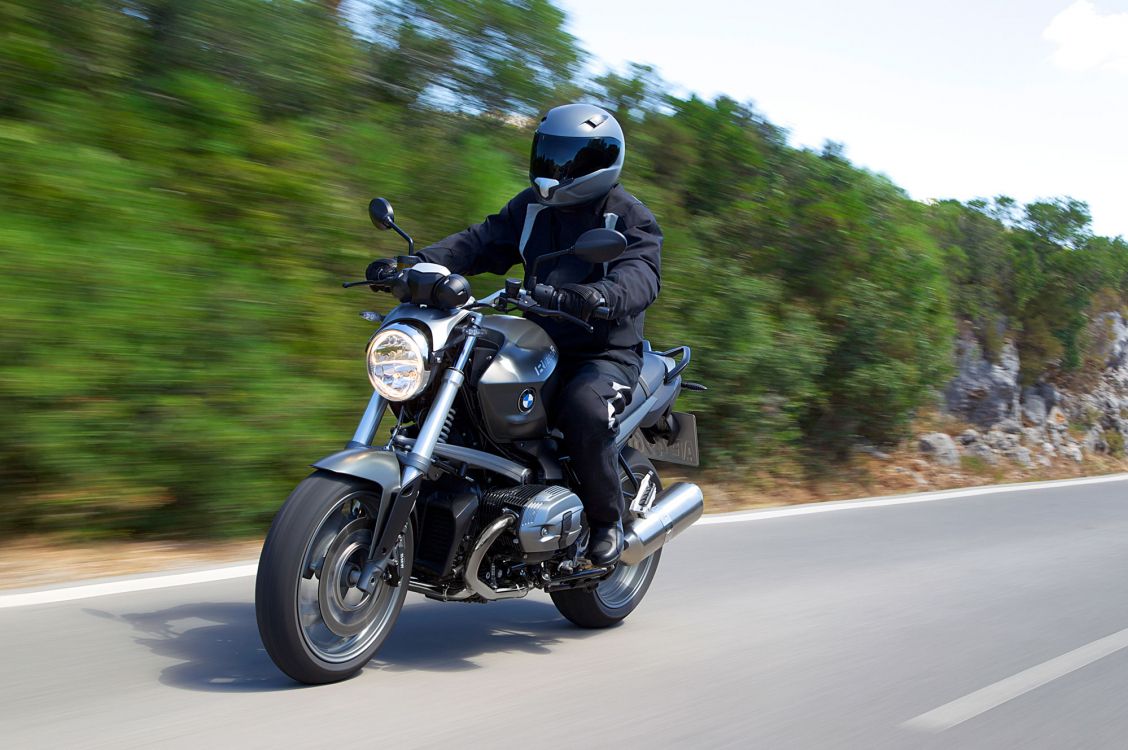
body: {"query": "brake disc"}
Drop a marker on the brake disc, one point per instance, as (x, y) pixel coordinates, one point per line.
(345, 609)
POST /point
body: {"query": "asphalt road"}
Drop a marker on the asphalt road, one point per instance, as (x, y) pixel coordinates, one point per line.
(985, 621)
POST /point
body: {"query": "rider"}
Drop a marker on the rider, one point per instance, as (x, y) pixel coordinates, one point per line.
(577, 156)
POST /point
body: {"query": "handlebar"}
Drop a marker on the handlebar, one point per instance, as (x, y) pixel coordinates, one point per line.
(533, 302)
(546, 295)
(525, 304)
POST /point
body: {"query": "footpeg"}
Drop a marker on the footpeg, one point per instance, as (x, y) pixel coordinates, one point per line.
(584, 577)
(644, 498)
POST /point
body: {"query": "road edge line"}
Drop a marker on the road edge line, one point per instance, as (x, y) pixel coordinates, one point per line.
(126, 586)
(831, 506)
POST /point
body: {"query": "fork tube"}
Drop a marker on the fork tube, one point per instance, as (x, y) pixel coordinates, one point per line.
(419, 460)
(366, 430)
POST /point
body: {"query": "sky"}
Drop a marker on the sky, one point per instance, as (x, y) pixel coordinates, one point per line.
(959, 99)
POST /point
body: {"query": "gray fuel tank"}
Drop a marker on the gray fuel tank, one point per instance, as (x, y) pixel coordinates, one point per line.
(514, 388)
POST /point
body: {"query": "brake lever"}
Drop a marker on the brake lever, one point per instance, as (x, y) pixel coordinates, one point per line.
(544, 311)
(578, 321)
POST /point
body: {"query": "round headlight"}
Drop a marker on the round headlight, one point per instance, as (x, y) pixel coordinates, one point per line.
(397, 363)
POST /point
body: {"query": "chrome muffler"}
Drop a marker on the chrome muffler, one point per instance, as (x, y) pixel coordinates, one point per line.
(672, 512)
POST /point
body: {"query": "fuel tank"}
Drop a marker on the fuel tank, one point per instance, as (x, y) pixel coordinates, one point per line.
(516, 386)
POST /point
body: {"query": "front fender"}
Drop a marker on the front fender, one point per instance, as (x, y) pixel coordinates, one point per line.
(374, 464)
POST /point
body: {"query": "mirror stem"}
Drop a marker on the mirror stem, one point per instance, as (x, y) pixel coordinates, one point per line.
(401, 233)
(531, 276)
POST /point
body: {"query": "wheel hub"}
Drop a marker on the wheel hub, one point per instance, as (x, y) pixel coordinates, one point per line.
(345, 609)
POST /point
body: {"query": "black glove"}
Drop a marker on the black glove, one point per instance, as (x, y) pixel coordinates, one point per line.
(380, 270)
(578, 299)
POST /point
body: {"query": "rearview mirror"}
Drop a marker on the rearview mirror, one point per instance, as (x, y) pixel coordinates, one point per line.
(600, 246)
(380, 211)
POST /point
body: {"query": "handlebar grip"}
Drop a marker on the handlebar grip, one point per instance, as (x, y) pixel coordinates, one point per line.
(545, 295)
(603, 312)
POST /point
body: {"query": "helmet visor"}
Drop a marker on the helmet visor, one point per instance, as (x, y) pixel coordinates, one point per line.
(564, 158)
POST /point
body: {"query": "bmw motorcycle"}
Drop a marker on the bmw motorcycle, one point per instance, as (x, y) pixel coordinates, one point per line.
(469, 498)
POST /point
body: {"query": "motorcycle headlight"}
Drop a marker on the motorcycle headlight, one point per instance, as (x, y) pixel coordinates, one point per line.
(397, 362)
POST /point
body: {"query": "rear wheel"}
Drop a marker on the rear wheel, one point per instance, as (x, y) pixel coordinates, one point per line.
(617, 596)
(315, 623)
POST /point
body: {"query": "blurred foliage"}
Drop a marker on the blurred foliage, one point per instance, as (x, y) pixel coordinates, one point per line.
(184, 184)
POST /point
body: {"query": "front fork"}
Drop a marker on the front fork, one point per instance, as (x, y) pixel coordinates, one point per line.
(416, 463)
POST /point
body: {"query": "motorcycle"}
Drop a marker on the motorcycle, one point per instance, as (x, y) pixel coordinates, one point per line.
(469, 499)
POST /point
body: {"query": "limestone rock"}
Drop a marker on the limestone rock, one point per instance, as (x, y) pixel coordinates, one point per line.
(1034, 408)
(999, 440)
(1094, 441)
(982, 452)
(983, 392)
(941, 448)
(1009, 426)
(1109, 333)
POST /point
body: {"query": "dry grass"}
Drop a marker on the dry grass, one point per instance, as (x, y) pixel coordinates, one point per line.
(45, 560)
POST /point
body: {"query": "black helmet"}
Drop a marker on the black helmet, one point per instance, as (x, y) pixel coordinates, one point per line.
(578, 152)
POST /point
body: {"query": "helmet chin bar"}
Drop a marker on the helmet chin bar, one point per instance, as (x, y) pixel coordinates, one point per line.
(545, 185)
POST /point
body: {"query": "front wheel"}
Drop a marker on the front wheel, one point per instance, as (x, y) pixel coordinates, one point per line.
(315, 623)
(617, 596)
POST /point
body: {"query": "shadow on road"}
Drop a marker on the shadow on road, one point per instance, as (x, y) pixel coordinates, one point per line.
(449, 637)
(219, 649)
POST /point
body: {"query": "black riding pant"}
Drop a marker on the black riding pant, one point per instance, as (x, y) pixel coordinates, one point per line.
(594, 392)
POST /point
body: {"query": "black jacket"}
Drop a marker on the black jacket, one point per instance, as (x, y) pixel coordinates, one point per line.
(629, 284)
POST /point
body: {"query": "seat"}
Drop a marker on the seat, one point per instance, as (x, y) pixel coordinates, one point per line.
(654, 369)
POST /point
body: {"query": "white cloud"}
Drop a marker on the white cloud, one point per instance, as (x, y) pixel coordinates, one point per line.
(1086, 39)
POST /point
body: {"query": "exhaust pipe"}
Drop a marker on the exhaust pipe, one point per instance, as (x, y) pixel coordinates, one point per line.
(478, 554)
(673, 512)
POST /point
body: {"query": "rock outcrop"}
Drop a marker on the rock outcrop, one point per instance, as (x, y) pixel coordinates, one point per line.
(988, 395)
(983, 392)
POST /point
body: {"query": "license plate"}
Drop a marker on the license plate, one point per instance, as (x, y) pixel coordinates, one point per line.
(680, 448)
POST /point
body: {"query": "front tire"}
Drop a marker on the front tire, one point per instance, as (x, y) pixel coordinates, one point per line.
(614, 598)
(315, 624)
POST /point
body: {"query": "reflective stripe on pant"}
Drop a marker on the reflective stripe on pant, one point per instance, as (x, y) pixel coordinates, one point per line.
(592, 395)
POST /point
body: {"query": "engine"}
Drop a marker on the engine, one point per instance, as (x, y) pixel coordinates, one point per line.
(548, 517)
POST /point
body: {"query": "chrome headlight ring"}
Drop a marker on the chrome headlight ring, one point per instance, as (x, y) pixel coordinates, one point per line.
(398, 360)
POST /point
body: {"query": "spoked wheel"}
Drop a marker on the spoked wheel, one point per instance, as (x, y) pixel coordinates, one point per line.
(616, 596)
(315, 623)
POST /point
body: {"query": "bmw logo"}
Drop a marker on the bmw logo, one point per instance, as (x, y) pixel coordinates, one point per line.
(526, 401)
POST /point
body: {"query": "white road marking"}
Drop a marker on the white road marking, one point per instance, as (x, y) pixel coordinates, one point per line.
(248, 568)
(992, 696)
(125, 586)
(881, 502)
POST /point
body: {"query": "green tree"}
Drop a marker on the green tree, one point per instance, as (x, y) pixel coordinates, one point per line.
(493, 56)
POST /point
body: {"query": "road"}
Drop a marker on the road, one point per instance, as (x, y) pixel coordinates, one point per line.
(993, 620)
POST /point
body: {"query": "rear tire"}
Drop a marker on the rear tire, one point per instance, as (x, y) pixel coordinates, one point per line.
(613, 599)
(315, 624)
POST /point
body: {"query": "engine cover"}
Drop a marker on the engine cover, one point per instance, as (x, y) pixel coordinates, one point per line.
(548, 516)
